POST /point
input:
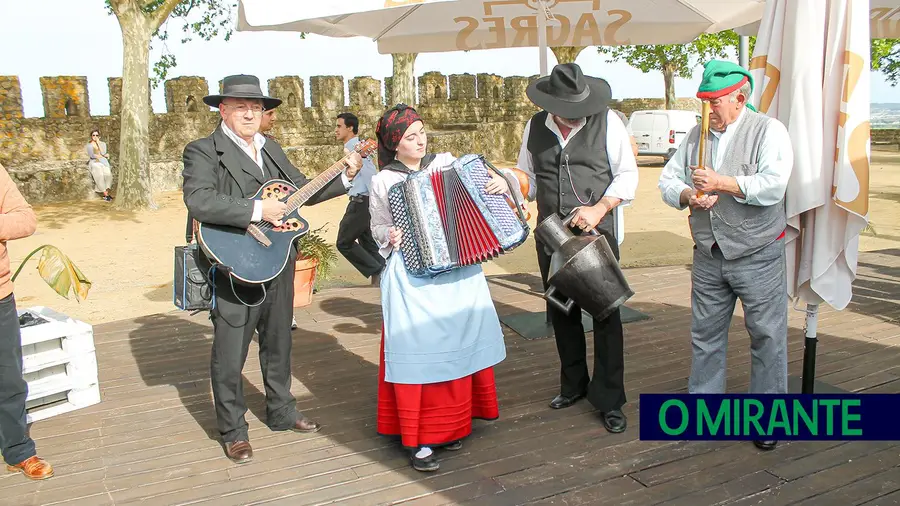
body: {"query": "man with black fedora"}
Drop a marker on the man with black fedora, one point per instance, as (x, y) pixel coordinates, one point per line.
(578, 157)
(221, 173)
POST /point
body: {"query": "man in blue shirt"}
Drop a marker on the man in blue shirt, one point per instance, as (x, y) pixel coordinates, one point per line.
(354, 238)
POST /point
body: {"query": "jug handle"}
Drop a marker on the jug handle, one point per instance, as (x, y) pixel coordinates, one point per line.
(568, 223)
(558, 304)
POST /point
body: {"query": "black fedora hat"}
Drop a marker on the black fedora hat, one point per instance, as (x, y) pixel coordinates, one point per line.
(241, 86)
(568, 93)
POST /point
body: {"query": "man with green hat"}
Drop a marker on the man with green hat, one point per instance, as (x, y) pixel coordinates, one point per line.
(737, 220)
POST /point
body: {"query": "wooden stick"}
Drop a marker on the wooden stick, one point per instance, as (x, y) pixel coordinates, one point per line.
(704, 133)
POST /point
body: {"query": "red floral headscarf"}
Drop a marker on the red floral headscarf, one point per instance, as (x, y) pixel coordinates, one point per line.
(390, 129)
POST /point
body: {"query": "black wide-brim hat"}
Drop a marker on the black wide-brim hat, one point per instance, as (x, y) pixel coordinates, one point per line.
(569, 94)
(241, 86)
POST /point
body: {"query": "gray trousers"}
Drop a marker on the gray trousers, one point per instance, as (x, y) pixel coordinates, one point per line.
(759, 281)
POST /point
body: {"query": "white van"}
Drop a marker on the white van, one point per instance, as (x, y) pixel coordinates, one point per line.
(660, 132)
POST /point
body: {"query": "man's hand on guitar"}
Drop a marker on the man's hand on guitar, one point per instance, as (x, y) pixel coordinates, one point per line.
(273, 211)
(395, 236)
(354, 163)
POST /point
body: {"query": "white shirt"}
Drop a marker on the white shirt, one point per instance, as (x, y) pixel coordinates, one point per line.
(618, 150)
(254, 151)
(379, 207)
(621, 158)
(765, 188)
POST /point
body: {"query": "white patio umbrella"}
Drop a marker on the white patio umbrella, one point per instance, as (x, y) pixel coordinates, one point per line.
(884, 21)
(811, 71)
(424, 26)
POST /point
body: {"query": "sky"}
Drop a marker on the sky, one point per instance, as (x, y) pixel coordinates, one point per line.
(66, 37)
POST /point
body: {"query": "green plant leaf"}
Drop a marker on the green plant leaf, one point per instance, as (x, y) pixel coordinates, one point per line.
(312, 245)
(58, 271)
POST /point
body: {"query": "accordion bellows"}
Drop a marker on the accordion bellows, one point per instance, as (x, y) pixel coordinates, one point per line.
(449, 221)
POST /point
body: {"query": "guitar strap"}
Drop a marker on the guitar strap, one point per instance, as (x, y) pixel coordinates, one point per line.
(189, 229)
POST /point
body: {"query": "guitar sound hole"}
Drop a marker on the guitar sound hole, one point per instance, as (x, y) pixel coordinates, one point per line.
(291, 225)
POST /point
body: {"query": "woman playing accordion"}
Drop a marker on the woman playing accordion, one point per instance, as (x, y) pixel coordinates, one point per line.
(441, 335)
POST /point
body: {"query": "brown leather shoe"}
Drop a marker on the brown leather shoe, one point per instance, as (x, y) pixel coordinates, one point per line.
(240, 452)
(304, 424)
(34, 468)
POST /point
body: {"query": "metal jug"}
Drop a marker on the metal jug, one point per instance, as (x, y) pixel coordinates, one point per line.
(583, 270)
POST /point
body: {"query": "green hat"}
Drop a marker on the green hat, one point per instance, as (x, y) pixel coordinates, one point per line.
(721, 77)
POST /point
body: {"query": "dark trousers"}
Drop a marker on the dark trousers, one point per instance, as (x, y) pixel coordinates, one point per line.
(354, 238)
(606, 387)
(233, 324)
(14, 441)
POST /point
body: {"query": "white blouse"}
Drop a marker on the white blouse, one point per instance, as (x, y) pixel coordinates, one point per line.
(379, 207)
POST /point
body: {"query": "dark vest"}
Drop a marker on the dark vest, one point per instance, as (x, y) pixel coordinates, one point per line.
(588, 167)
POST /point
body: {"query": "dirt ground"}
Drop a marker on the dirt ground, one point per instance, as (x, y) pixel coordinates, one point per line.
(129, 256)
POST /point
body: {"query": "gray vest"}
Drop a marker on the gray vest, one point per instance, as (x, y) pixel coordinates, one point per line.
(738, 229)
(584, 160)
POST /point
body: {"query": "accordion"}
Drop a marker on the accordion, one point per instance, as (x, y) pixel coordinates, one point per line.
(449, 221)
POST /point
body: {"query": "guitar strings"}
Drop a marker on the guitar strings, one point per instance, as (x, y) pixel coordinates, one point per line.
(265, 225)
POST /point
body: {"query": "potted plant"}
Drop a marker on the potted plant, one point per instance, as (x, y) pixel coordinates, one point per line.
(315, 261)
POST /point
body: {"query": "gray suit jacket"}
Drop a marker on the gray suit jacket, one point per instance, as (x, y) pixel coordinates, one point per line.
(219, 180)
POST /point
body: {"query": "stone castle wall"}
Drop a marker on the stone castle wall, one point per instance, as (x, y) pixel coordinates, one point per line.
(465, 113)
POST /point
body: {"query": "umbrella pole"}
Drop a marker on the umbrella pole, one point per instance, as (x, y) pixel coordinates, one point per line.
(809, 348)
(542, 40)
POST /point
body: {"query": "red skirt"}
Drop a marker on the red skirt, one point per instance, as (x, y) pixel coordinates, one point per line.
(436, 413)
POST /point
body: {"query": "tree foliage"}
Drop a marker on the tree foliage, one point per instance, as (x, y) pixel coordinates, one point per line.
(205, 19)
(674, 59)
(886, 58)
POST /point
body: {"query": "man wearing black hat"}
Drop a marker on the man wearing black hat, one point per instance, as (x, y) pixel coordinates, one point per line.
(577, 154)
(220, 173)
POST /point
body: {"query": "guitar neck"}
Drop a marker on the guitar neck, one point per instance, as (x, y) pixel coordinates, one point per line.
(309, 189)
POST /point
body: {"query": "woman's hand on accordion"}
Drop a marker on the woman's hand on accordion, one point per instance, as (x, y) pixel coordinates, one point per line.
(395, 236)
(496, 185)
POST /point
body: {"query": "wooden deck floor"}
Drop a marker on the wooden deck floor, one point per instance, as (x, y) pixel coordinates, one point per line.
(151, 439)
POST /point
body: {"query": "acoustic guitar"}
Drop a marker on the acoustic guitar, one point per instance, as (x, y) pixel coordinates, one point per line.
(260, 252)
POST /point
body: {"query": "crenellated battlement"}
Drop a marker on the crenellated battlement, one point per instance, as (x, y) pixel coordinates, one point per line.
(67, 96)
(465, 113)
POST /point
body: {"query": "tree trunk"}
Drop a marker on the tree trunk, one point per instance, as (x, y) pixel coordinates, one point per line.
(669, 77)
(134, 189)
(403, 84)
(566, 54)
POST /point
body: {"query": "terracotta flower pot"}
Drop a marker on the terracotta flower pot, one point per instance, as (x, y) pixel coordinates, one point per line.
(304, 281)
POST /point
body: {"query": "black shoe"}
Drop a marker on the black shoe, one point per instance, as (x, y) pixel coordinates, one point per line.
(765, 445)
(454, 446)
(615, 421)
(562, 401)
(426, 465)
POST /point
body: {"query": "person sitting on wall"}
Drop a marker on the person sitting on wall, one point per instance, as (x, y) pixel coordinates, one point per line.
(98, 165)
